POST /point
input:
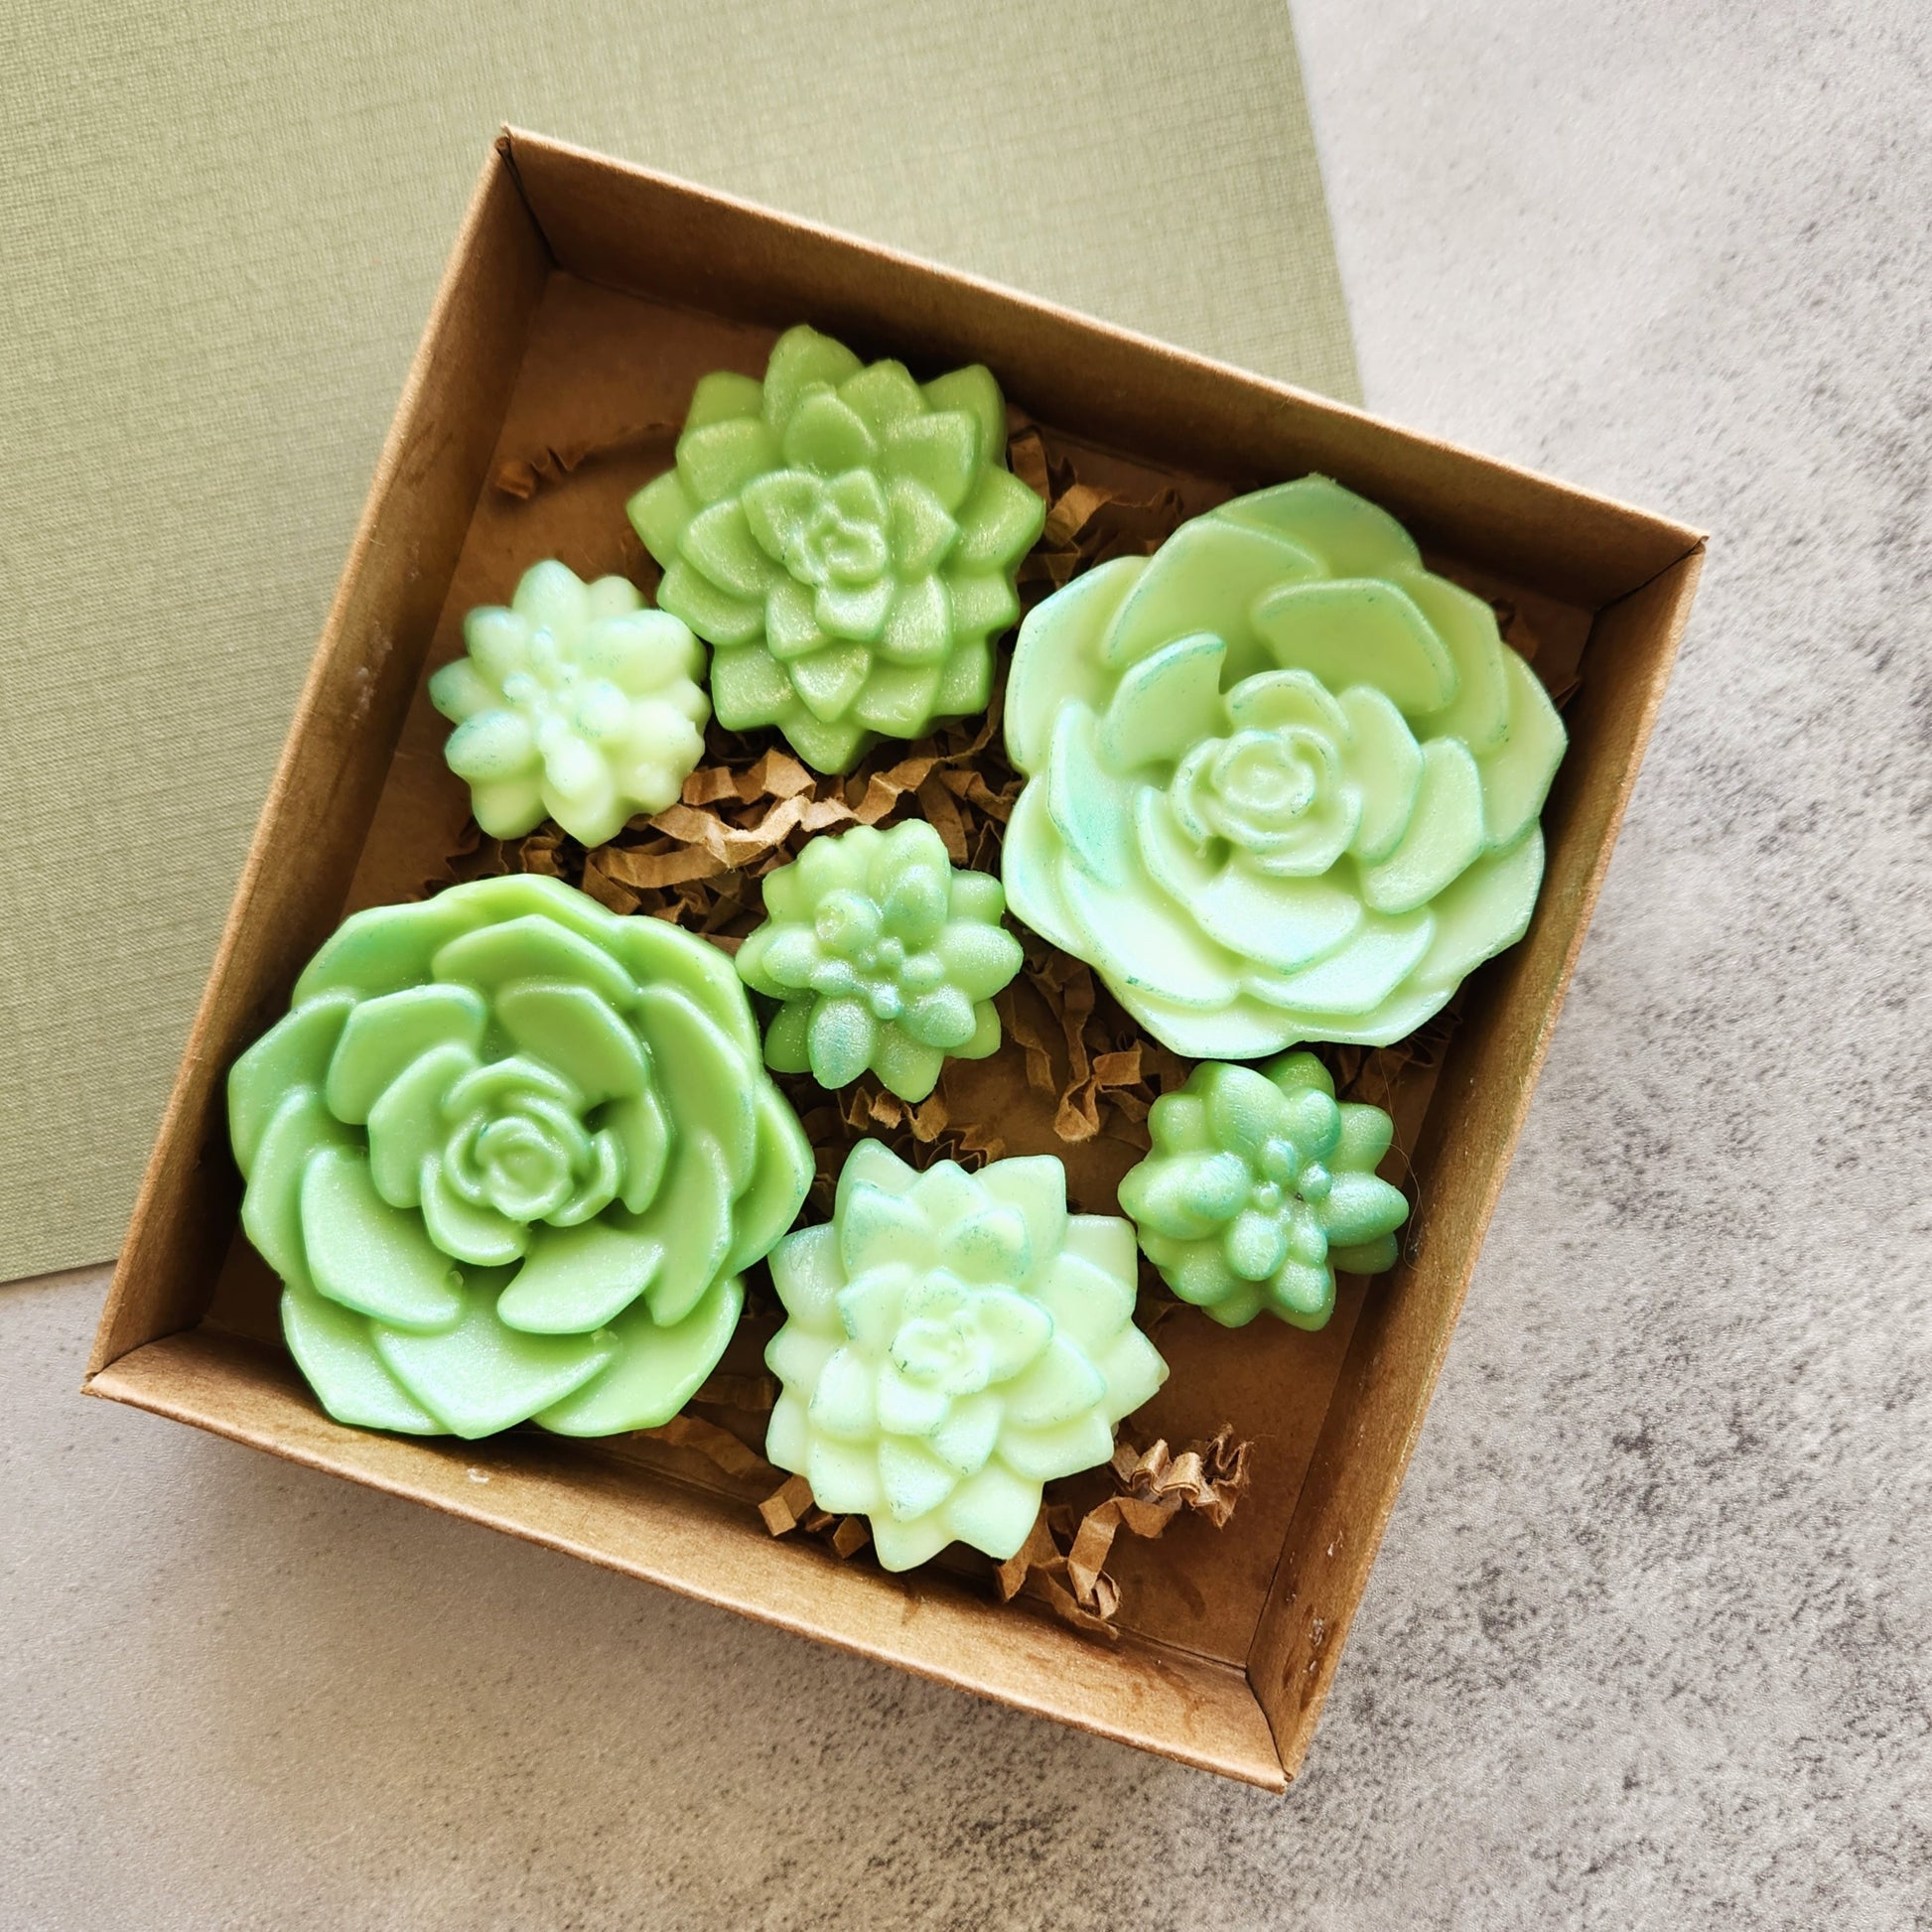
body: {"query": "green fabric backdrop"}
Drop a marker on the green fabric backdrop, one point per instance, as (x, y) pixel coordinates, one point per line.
(224, 222)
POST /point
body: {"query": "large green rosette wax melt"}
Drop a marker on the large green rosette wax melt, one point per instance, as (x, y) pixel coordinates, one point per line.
(954, 1341)
(846, 539)
(1284, 782)
(883, 956)
(509, 1152)
(1259, 1186)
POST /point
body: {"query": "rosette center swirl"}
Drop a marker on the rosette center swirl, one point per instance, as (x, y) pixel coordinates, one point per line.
(522, 1147)
(841, 538)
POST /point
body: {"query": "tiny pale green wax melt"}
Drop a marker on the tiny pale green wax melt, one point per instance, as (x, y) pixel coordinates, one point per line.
(509, 1152)
(574, 701)
(846, 540)
(1283, 780)
(1259, 1186)
(954, 1341)
(884, 957)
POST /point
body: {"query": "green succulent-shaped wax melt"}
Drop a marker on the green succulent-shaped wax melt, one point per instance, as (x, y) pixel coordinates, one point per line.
(884, 956)
(509, 1152)
(1260, 1186)
(1284, 780)
(573, 701)
(954, 1341)
(846, 539)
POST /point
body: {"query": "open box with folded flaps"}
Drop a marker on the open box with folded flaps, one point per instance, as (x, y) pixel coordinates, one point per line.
(584, 300)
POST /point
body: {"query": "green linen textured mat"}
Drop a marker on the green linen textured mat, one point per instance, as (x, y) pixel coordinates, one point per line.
(224, 222)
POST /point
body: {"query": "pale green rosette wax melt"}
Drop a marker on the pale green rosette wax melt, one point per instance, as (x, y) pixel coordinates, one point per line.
(1259, 1186)
(846, 539)
(1284, 782)
(574, 701)
(509, 1152)
(883, 956)
(954, 1341)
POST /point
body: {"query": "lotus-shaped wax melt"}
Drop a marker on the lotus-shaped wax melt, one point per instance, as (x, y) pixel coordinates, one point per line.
(508, 1152)
(884, 956)
(1285, 781)
(574, 701)
(955, 1340)
(1260, 1186)
(846, 539)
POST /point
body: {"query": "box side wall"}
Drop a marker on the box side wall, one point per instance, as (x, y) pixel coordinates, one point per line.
(1471, 1131)
(704, 1546)
(336, 755)
(635, 229)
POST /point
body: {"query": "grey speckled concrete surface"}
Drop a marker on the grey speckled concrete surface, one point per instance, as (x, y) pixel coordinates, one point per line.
(1648, 1641)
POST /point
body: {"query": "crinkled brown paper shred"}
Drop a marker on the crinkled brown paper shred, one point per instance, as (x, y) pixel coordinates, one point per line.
(1086, 523)
(522, 477)
(791, 1507)
(1063, 1560)
(731, 1391)
(784, 1509)
(711, 1441)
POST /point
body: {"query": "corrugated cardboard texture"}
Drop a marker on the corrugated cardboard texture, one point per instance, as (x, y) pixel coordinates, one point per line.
(225, 222)
(1234, 1635)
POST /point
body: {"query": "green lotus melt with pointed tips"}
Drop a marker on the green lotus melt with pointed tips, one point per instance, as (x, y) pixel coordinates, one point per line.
(509, 1152)
(1260, 1186)
(846, 540)
(884, 957)
(1283, 780)
(954, 1341)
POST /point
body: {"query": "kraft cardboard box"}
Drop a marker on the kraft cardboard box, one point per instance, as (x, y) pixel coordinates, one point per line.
(582, 298)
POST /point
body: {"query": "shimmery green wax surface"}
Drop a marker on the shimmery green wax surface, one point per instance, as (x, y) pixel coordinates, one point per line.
(574, 701)
(846, 539)
(883, 956)
(953, 1342)
(1260, 1186)
(509, 1152)
(1284, 782)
